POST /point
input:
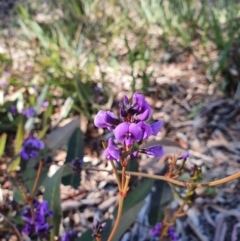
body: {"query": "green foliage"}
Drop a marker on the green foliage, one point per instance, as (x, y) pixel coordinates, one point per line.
(3, 140)
(75, 150)
(52, 195)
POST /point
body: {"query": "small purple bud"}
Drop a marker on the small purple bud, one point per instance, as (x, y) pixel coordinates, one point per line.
(184, 156)
(98, 228)
(134, 155)
(45, 104)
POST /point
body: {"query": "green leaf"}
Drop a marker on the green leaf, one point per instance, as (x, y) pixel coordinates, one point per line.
(3, 140)
(52, 195)
(75, 150)
(127, 219)
(160, 198)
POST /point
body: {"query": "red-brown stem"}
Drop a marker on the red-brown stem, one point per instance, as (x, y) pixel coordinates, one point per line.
(37, 179)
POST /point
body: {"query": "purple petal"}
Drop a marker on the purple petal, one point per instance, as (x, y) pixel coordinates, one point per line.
(121, 130)
(24, 155)
(111, 119)
(144, 115)
(138, 98)
(99, 120)
(134, 155)
(184, 155)
(147, 130)
(135, 131)
(125, 100)
(156, 126)
(154, 151)
(112, 152)
(103, 225)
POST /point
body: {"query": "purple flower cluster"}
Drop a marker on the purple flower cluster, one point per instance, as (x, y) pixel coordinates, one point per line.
(98, 228)
(76, 164)
(30, 112)
(129, 128)
(156, 231)
(13, 109)
(69, 236)
(36, 220)
(30, 148)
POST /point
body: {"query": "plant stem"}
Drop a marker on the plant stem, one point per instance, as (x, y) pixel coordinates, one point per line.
(12, 226)
(119, 214)
(123, 176)
(116, 175)
(179, 183)
(122, 195)
(98, 238)
(187, 184)
(37, 179)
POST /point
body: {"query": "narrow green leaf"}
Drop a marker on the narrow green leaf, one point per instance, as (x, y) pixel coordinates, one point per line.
(75, 150)
(3, 140)
(52, 195)
(160, 198)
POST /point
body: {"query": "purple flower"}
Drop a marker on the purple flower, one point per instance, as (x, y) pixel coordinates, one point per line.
(3, 83)
(30, 148)
(112, 152)
(37, 226)
(13, 109)
(153, 151)
(77, 164)
(156, 126)
(45, 104)
(172, 234)
(70, 235)
(156, 232)
(140, 105)
(98, 228)
(128, 133)
(30, 112)
(106, 119)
